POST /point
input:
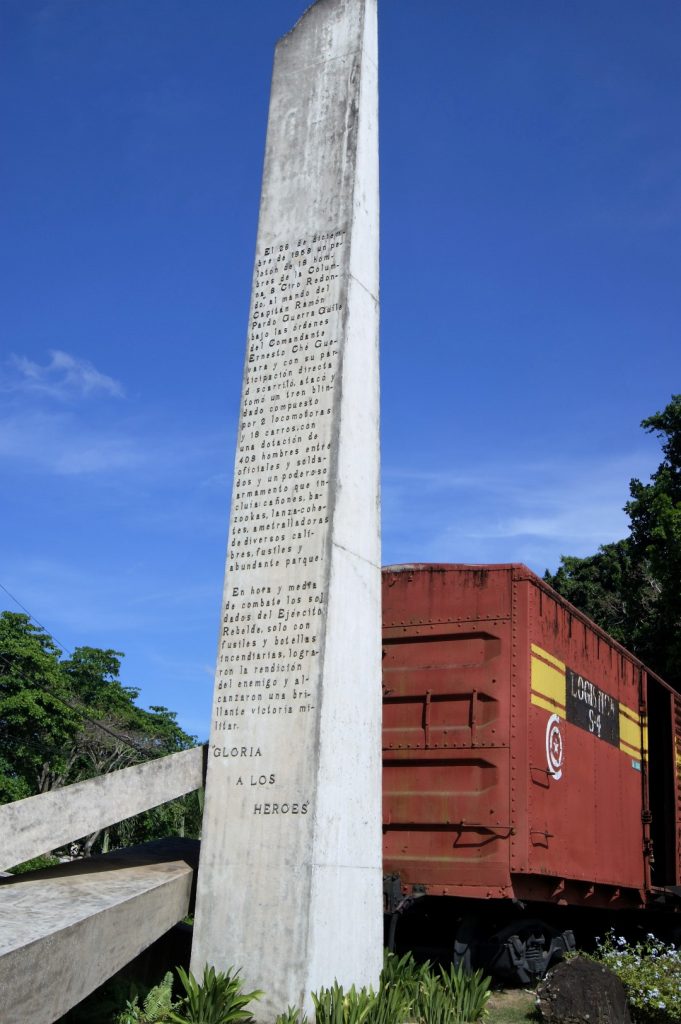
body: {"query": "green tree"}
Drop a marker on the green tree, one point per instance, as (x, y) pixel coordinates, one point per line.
(600, 585)
(37, 729)
(65, 720)
(632, 588)
(116, 732)
(655, 514)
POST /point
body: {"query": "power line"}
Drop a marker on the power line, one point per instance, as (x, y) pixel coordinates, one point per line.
(63, 648)
(84, 715)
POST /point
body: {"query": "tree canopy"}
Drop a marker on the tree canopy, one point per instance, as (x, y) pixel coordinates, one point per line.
(63, 720)
(632, 588)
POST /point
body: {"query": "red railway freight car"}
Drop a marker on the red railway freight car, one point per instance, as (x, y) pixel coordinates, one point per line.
(529, 762)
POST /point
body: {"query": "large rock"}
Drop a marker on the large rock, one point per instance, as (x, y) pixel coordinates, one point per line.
(581, 990)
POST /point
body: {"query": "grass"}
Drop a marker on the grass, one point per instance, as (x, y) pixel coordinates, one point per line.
(512, 1006)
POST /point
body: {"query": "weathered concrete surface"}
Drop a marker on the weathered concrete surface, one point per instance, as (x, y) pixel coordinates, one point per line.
(41, 823)
(581, 990)
(289, 884)
(65, 930)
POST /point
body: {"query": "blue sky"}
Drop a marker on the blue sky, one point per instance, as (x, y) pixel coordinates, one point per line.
(531, 221)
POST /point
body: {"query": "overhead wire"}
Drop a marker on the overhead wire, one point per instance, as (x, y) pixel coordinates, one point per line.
(83, 714)
(63, 648)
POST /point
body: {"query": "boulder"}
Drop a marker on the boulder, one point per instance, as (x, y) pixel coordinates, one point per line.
(580, 991)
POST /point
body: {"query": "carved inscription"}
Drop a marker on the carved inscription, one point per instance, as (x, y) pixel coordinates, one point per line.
(275, 601)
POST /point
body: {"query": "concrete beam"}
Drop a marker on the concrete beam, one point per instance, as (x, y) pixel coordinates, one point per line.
(66, 930)
(41, 823)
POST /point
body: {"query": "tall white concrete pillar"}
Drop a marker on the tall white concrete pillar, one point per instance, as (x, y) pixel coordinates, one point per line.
(289, 885)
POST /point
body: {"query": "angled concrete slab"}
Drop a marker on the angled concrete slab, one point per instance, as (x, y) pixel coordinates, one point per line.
(64, 931)
(41, 823)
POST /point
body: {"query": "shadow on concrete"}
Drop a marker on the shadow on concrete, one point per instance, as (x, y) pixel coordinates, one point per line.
(158, 851)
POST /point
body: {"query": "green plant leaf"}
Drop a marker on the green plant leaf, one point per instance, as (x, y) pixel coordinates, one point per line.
(217, 999)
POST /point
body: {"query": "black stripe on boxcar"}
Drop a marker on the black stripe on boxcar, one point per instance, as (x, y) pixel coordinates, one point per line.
(591, 708)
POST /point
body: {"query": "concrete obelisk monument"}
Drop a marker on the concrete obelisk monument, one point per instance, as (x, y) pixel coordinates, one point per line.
(289, 885)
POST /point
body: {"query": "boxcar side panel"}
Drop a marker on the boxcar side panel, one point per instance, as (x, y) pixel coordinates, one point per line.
(446, 666)
(584, 750)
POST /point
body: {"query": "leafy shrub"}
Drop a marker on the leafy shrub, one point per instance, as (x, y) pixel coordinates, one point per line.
(403, 971)
(395, 999)
(217, 999)
(407, 991)
(45, 860)
(432, 1005)
(291, 1016)
(334, 1006)
(439, 996)
(155, 1009)
(468, 993)
(651, 974)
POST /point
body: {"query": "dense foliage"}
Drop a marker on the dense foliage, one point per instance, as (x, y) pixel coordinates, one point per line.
(216, 999)
(632, 588)
(63, 720)
(651, 974)
(407, 991)
(153, 1009)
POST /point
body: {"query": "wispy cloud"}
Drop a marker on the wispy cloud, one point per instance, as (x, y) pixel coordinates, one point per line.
(47, 425)
(59, 443)
(525, 512)
(63, 378)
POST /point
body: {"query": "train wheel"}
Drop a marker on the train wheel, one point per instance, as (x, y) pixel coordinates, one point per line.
(525, 949)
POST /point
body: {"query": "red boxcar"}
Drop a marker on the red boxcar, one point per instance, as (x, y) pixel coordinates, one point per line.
(526, 755)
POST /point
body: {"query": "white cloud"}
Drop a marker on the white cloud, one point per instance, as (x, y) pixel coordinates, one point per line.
(64, 378)
(526, 512)
(72, 442)
(60, 444)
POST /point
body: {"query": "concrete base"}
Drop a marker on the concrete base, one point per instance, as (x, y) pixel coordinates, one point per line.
(64, 931)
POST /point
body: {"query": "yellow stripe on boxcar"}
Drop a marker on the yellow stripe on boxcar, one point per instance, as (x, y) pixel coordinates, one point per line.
(556, 662)
(548, 705)
(630, 731)
(547, 681)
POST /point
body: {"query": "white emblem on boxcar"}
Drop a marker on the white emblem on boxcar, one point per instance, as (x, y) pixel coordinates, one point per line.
(554, 747)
